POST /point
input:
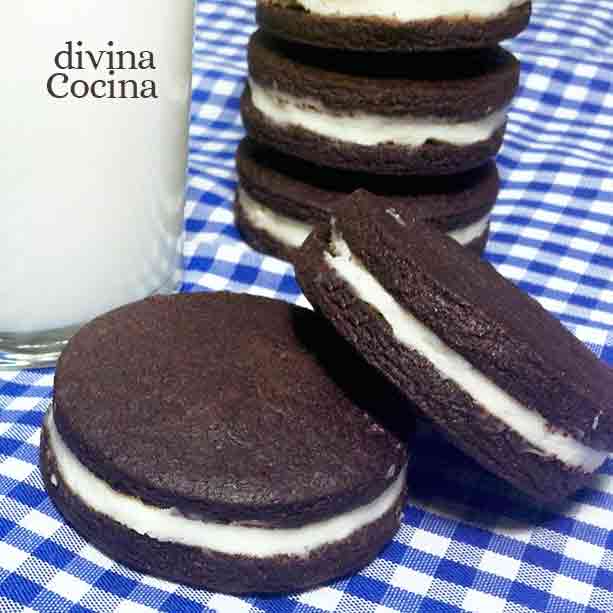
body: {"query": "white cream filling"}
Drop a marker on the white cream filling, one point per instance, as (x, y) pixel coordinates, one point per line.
(292, 232)
(369, 129)
(409, 331)
(469, 233)
(404, 10)
(168, 525)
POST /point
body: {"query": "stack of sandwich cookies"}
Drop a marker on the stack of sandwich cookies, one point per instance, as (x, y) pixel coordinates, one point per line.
(502, 378)
(398, 114)
(281, 198)
(395, 25)
(377, 89)
(202, 438)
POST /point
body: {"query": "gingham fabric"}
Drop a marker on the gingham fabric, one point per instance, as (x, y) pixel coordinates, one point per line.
(468, 542)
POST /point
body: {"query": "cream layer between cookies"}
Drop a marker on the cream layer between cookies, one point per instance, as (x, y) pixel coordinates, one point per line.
(370, 129)
(292, 232)
(169, 525)
(403, 10)
(540, 436)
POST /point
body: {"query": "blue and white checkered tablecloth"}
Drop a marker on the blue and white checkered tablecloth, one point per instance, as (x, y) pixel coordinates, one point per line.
(468, 543)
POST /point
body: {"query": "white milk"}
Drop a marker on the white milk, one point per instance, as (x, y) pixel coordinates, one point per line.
(91, 190)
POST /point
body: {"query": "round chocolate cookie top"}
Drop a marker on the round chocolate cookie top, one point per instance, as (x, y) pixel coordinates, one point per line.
(501, 331)
(461, 85)
(312, 194)
(292, 21)
(230, 407)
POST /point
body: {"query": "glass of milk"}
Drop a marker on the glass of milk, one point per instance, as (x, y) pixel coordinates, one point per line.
(93, 139)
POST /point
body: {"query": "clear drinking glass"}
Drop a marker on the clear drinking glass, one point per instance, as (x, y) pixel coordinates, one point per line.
(93, 144)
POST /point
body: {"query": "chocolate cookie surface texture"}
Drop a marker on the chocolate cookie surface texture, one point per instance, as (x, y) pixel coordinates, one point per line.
(281, 198)
(500, 376)
(201, 439)
(394, 25)
(420, 114)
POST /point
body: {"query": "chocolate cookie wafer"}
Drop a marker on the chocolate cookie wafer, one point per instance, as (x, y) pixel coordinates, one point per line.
(501, 377)
(395, 25)
(201, 438)
(426, 114)
(281, 198)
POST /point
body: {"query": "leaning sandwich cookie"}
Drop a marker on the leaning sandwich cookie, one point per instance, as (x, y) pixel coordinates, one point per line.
(423, 114)
(395, 25)
(499, 376)
(281, 198)
(200, 438)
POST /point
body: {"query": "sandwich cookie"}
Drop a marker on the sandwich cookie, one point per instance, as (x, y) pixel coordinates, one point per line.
(280, 199)
(501, 377)
(394, 25)
(427, 114)
(200, 438)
